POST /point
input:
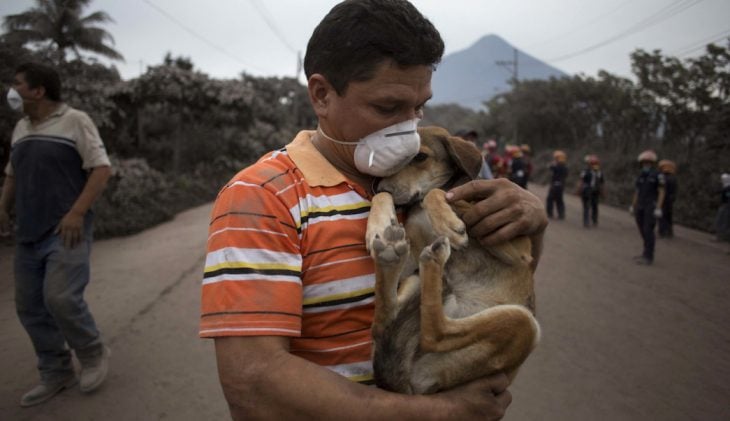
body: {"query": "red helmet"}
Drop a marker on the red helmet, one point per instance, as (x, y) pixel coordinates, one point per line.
(592, 159)
(490, 145)
(513, 150)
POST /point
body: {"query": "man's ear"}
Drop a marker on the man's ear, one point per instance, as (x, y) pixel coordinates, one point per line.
(320, 92)
(38, 92)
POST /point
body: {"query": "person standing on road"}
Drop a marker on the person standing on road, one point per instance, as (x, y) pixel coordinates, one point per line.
(666, 225)
(288, 283)
(647, 202)
(559, 172)
(58, 167)
(485, 173)
(527, 158)
(590, 189)
(517, 165)
(722, 220)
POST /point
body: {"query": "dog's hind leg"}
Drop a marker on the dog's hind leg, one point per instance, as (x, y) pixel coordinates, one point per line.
(505, 334)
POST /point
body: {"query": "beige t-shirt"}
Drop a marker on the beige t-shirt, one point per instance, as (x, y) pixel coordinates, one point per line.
(65, 123)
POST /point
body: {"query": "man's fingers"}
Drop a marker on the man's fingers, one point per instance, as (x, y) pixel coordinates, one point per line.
(473, 190)
(498, 383)
(504, 399)
(485, 226)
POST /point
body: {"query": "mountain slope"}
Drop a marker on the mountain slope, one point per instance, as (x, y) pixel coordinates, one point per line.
(471, 76)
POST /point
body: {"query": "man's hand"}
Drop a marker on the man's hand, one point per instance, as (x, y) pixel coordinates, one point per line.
(483, 399)
(657, 213)
(4, 223)
(71, 228)
(504, 210)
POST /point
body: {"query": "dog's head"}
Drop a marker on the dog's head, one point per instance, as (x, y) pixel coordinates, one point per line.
(442, 161)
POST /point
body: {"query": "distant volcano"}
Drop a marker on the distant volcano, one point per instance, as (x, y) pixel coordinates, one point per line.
(471, 76)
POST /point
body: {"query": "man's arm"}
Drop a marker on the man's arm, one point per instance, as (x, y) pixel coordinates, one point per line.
(6, 202)
(262, 380)
(661, 197)
(71, 226)
(504, 211)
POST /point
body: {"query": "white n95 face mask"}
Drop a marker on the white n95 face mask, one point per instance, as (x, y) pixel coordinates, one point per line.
(386, 151)
(15, 101)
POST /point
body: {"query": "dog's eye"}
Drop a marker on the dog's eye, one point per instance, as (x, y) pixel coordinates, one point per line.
(420, 157)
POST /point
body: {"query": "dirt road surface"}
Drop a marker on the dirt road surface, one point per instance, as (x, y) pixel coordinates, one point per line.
(620, 341)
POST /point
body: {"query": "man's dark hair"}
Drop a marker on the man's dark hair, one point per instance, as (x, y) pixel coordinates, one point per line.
(357, 35)
(37, 75)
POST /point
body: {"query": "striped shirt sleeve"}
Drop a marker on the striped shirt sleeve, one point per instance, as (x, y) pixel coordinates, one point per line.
(252, 279)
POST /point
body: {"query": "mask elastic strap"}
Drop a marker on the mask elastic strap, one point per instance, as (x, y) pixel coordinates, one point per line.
(320, 131)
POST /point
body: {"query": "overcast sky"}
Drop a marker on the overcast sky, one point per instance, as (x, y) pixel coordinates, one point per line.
(262, 38)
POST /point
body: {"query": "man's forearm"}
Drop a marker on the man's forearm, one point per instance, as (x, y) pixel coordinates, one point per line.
(269, 389)
(660, 199)
(93, 188)
(8, 194)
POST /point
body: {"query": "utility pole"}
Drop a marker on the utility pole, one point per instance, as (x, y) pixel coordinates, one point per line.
(515, 64)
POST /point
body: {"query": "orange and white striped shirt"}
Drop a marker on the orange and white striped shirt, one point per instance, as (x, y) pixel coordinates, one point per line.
(286, 257)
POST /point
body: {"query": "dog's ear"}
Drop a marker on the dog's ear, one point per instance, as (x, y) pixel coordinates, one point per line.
(465, 154)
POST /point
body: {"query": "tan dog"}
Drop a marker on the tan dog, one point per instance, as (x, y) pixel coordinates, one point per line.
(467, 312)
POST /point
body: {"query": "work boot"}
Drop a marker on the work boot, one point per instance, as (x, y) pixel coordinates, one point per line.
(644, 261)
(94, 372)
(46, 390)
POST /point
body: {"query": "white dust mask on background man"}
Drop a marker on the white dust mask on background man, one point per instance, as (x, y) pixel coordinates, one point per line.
(386, 151)
(15, 101)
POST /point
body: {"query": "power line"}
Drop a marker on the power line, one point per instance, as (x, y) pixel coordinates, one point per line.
(690, 48)
(198, 36)
(264, 13)
(656, 18)
(577, 28)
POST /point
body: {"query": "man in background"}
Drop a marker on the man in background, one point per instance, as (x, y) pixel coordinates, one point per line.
(58, 167)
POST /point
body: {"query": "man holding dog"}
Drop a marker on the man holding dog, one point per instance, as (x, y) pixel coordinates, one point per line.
(288, 286)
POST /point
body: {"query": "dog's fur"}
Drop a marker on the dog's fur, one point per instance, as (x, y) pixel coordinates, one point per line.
(467, 311)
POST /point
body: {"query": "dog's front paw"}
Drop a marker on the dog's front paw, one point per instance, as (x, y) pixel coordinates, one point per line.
(452, 227)
(444, 220)
(438, 252)
(391, 247)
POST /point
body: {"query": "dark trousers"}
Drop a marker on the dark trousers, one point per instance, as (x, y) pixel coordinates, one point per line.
(590, 208)
(646, 222)
(555, 199)
(665, 223)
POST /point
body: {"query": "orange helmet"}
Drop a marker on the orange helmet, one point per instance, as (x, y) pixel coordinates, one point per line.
(526, 148)
(559, 156)
(647, 155)
(667, 166)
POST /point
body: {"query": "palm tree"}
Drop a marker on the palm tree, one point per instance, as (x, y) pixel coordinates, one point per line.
(59, 22)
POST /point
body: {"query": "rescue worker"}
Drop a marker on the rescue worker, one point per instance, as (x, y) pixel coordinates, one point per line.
(517, 166)
(668, 169)
(495, 161)
(527, 158)
(559, 172)
(470, 135)
(590, 189)
(646, 205)
(722, 220)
